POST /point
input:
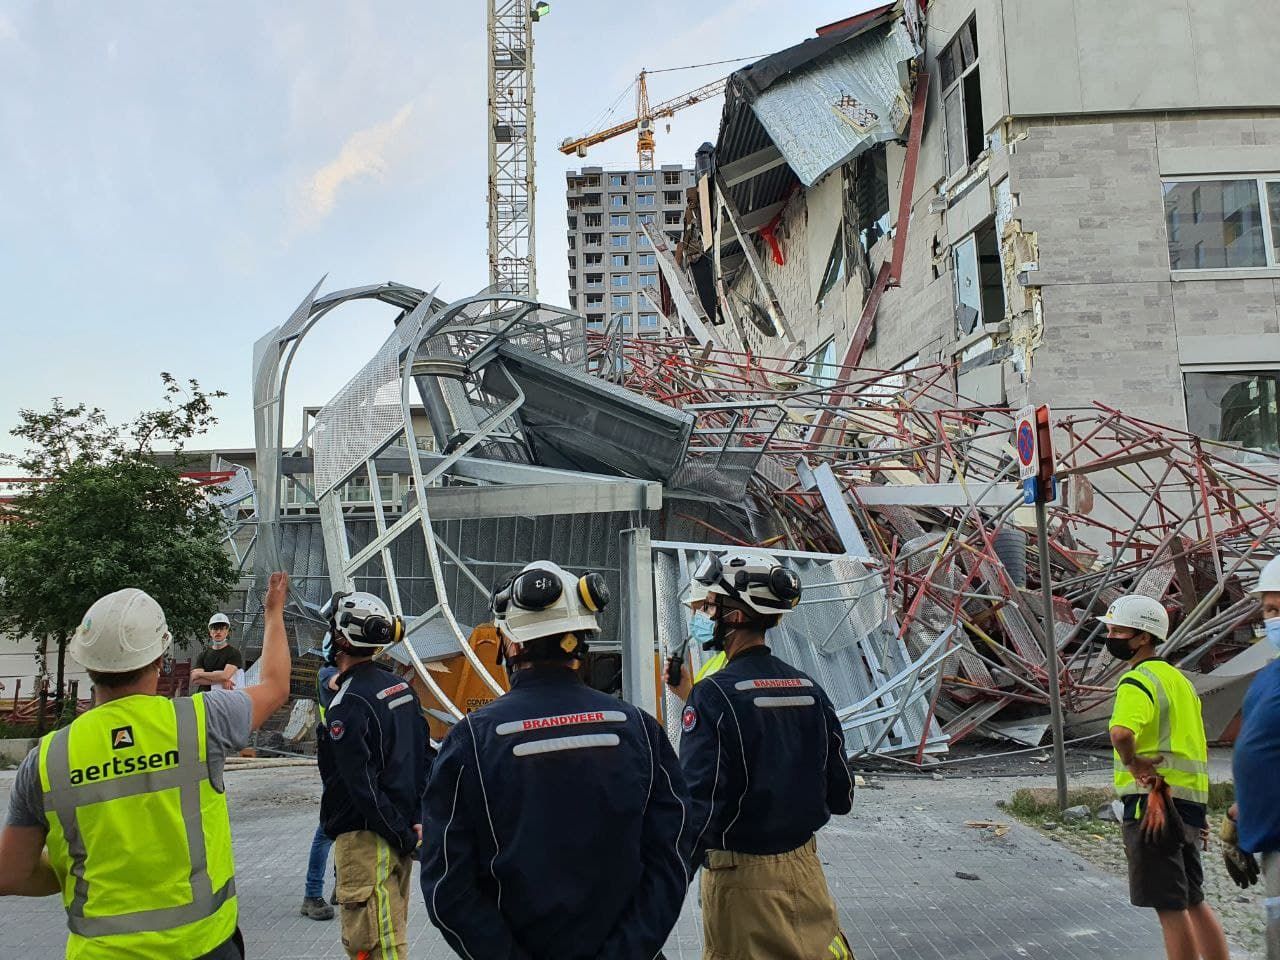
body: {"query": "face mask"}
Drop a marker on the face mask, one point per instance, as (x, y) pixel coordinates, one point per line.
(1118, 647)
(703, 630)
(216, 643)
(1272, 625)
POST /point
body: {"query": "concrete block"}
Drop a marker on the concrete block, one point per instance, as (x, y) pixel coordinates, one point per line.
(15, 750)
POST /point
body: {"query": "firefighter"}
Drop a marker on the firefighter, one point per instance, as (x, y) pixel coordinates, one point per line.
(763, 754)
(375, 757)
(554, 815)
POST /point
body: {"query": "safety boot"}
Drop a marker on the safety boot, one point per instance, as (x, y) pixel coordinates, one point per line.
(316, 908)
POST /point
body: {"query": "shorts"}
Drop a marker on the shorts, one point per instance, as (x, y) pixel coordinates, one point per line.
(373, 896)
(775, 906)
(1164, 879)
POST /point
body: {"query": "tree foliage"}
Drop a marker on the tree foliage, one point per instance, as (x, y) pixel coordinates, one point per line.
(113, 512)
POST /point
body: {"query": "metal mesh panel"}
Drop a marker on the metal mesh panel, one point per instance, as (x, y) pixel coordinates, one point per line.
(363, 415)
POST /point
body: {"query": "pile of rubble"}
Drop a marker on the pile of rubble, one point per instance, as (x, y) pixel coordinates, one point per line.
(896, 469)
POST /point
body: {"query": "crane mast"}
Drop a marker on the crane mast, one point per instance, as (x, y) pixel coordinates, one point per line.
(511, 185)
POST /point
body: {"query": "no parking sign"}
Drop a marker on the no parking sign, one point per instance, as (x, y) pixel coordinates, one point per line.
(1024, 440)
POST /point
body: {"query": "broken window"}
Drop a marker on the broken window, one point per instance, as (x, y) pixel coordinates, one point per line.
(1238, 407)
(1220, 224)
(871, 192)
(835, 268)
(979, 280)
(962, 99)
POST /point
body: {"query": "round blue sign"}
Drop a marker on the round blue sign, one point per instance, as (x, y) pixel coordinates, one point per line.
(1026, 443)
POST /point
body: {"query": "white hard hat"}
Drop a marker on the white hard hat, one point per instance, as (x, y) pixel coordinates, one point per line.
(219, 620)
(755, 580)
(544, 600)
(1140, 613)
(1269, 579)
(121, 632)
(363, 620)
(697, 594)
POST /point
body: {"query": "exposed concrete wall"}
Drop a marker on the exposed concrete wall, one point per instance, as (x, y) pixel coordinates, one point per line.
(1096, 56)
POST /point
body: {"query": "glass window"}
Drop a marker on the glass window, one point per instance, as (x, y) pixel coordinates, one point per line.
(644, 179)
(591, 239)
(594, 259)
(648, 279)
(835, 268)
(643, 218)
(619, 220)
(1273, 209)
(594, 320)
(622, 319)
(618, 240)
(595, 300)
(1237, 407)
(617, 199)
(644, 200)
(648, 319)
(968, 286)
(621, 301)
(591, 219)
(961, 99)
(642, 240)
(617, 179)
(672, 218)
(618, 260)
(670, 197)
(1217, 224)
(671, 178)
(620, 280)
(647, 259)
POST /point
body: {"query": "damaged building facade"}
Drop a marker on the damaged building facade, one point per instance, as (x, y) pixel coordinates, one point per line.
(1072, 206)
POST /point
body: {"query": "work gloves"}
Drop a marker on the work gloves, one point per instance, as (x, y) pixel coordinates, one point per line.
(1242, 866)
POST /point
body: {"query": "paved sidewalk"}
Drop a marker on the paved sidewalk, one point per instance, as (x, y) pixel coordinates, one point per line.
(892, 867)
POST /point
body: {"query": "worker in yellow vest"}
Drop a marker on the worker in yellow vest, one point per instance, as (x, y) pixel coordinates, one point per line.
(1158, 736)
(123, 812)
(701, 631)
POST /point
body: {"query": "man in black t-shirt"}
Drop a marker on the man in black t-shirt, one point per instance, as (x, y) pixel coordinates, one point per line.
(219, 661)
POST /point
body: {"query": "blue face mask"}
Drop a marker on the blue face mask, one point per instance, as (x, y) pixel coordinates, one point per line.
(1272, 625)
(702, 629)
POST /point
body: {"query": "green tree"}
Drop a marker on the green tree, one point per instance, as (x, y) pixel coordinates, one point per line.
(112, 512)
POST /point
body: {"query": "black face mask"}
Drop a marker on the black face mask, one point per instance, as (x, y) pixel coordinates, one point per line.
(1119, 648)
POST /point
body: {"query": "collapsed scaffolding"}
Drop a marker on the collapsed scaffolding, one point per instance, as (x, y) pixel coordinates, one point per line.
(897, 467)
(523, 437)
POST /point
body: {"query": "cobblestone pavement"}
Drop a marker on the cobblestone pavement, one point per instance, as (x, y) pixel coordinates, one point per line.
(892, 866)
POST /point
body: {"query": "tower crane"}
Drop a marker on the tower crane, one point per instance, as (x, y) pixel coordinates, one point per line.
(643, 120)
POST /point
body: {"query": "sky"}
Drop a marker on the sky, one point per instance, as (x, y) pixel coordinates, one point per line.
(175, 177)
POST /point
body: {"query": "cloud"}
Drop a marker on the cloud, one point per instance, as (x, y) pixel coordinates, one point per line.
(363, 155)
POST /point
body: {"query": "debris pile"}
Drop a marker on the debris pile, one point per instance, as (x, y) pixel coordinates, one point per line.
(892, 466)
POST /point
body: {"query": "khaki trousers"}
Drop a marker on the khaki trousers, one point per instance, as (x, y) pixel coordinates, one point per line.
(773, 907)
(373, 896)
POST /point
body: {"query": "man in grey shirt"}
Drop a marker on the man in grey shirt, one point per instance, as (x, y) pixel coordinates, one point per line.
(127, 781)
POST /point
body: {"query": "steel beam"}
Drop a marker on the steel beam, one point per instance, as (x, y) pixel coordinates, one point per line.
(536, 500)
(639, 622)
(752, 165)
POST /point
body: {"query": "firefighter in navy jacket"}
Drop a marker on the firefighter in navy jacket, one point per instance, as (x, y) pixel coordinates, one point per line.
(763, 754)
(554, 817)
(375, 758)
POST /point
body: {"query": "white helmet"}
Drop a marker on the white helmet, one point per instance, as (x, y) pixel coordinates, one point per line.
(362, 621)
(219, 620)
(123, 631)
(755, 580)
(697, 595)
(1269, 579)
(543, 600)
(1140, 613)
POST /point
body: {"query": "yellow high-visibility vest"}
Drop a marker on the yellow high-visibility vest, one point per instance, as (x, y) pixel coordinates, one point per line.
(1176, 732)
(139, 836)
(711, 666)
